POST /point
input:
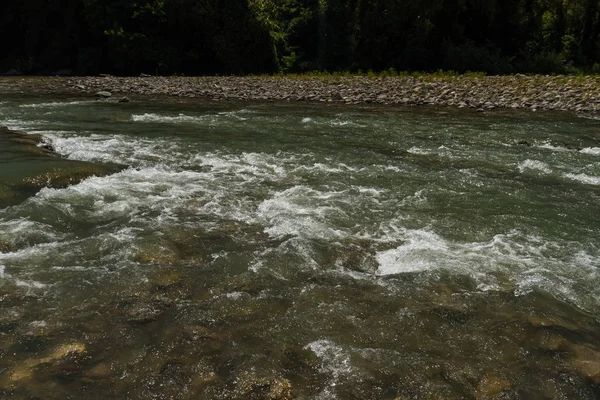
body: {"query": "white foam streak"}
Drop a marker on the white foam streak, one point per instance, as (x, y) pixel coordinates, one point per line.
(549, 146)
(534, 165)
(181, 118)
(335, 360)
(584, 178)
(293, 212)
(591, 150)
(57, 104)
(30, 284)
(23, 230)
(178, 119)
(114, 148)
(422, 251)
(419, 151)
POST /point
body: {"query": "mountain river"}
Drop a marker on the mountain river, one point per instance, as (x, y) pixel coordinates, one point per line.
(278, 251)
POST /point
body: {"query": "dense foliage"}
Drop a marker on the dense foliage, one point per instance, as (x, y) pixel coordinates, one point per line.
(263, 36)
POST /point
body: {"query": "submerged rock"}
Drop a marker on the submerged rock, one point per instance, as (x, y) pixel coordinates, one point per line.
(99, 371)
(145, 312)
(582, 359)
(264, 387)
(25, 370)
(5, 245)
(491, 387)
(158, 253)
(166, 278)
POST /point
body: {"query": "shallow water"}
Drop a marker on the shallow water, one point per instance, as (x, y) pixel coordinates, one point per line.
(276, 251)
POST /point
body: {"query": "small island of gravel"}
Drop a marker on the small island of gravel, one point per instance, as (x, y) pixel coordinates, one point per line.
(580, 94)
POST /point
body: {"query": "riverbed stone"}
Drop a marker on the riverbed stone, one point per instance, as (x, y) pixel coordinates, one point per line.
(164, 278)
(163, 253)
(280, 389)
(99, 371)
(582, 359)
(490, 387)
(103, 94)
(143, 313)
(203, 375)
(25, 370)
(5, 245)
(269, 386)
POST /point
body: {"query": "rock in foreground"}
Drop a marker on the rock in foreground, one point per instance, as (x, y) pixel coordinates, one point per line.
(29, 163)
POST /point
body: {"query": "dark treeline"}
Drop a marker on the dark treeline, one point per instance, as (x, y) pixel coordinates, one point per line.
(197, 37)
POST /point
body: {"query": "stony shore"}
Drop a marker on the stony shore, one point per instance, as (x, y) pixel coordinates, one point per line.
(579, 94)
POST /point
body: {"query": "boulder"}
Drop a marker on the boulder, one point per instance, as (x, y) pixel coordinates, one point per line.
(35, 165)
(103, 94)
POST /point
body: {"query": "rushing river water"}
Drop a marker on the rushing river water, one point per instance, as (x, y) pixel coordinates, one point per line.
(271, 251)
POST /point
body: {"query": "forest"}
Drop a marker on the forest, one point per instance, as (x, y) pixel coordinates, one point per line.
(238, 37)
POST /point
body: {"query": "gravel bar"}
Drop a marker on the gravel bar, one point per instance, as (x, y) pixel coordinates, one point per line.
(580, 94)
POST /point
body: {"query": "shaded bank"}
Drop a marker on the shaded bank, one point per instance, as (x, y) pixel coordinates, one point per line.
(29, 163)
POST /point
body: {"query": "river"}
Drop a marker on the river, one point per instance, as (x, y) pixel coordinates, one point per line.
(275, 251)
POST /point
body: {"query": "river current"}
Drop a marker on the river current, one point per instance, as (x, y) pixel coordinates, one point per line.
(275, 251)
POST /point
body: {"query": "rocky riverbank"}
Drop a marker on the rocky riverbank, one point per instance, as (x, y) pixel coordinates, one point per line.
(579, 94)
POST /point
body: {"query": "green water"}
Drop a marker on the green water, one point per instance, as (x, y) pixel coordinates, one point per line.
(256, 251)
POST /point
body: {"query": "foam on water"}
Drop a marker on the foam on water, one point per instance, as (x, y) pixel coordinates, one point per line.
(21, 124)
(226, 189)
(422, 251)
(584, 178)
(285, 214)
(343, 122)
(178, 119)
(295, 199)
(591, 150)
(419, 151)
(534, 165)
(22, 231)
(30, 284)
(115, 148)
(57, 104)
(335, 361)
(549, 146)
(523, 260)
(339, 121)
(181, 118)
